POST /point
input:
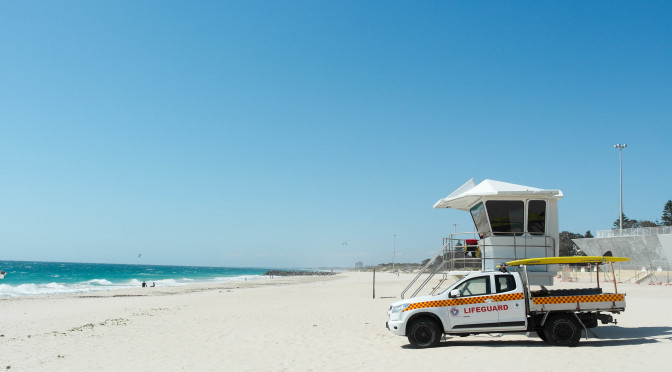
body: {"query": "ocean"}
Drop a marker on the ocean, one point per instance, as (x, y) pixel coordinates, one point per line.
(26, 278)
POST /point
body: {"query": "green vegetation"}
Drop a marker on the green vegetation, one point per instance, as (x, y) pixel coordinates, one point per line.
(666, 218)
(567, 246)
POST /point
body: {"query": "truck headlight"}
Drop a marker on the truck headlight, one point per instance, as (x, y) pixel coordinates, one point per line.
(398, 308)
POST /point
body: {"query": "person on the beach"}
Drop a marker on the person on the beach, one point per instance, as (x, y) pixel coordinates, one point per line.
(144, 284)
(153, 284)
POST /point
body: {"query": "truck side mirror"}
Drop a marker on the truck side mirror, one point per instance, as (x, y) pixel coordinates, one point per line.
(455, 293)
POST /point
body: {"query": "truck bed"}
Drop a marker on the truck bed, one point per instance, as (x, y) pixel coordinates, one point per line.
(566, 292)
(579, 299)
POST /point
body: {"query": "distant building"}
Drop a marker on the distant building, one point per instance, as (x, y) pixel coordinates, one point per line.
(359, 264)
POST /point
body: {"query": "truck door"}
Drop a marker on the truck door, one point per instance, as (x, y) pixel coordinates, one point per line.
(471, 305)
(510, 303)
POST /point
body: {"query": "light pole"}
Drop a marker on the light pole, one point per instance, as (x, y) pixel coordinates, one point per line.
(620, 176)
(394, 252)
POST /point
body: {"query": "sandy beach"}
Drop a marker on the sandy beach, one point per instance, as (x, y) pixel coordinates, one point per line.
(296, 324)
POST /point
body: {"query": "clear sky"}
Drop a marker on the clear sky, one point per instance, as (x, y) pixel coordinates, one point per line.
(308, 133)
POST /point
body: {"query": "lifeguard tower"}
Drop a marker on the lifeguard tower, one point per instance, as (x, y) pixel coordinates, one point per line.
(512, 222)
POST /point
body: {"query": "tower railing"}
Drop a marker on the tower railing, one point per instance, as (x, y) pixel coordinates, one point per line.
(457, 258)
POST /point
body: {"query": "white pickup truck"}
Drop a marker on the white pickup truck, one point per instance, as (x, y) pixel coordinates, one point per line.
(499, 302)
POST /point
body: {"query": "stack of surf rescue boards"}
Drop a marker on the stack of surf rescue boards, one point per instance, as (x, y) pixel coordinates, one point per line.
(502, 302)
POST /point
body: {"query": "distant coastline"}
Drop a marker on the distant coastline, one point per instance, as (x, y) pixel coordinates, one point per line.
(297, 273)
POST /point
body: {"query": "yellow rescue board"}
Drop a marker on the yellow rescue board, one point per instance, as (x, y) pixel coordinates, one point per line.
(566, 260)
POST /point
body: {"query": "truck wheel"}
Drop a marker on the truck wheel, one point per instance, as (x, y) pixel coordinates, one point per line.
(562, 330)
(424, 332)
(542, 335)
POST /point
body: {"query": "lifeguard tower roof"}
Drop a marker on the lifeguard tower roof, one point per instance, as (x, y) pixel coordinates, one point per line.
(469, 194)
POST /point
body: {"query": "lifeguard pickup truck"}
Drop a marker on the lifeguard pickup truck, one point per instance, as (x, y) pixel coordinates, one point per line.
(502, 301)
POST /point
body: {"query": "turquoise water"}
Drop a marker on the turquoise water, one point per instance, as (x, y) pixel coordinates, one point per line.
(25, 278)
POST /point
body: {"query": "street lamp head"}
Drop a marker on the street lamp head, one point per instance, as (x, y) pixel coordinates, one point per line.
(619, 146)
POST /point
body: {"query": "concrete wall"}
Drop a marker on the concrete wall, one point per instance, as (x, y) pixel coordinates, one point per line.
(650, 251)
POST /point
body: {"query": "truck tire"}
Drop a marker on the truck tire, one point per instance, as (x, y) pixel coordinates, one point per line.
(562, 330)
(424, 332)
(542, 335)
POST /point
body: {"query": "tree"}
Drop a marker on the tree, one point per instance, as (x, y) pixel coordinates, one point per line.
(646, 223)
(634, 224)
(567, 246)
(627, 223)
(666, 219)
(588, 235)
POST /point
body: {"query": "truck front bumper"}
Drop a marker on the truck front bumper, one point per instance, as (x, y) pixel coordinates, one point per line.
(396, 327)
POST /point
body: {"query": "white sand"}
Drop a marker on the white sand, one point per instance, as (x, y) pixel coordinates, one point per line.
(297, 324)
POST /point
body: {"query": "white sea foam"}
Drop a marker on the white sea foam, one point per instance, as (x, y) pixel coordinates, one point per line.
(40, 289)
(168, 283)
(31, 289)
(52, 288)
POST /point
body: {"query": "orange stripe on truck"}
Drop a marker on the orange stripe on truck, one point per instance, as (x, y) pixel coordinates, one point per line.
(575, 299)
(466, 301)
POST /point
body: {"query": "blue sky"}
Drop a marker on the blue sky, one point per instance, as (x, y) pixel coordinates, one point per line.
(268, 133)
